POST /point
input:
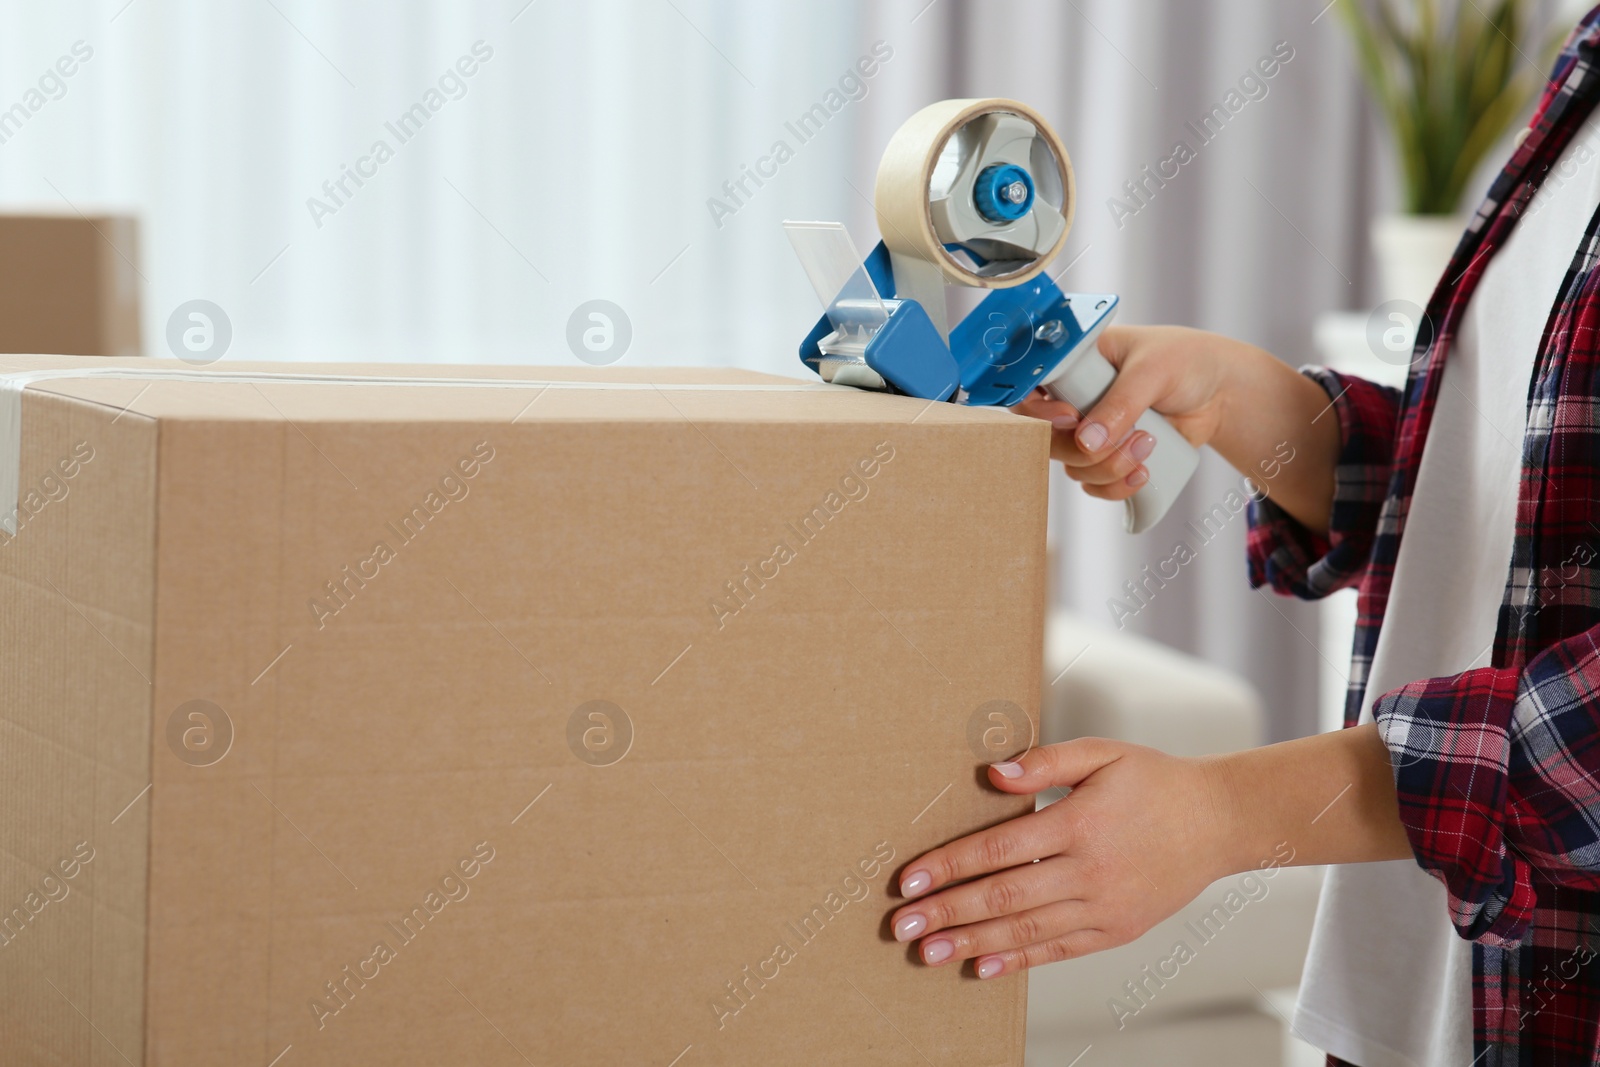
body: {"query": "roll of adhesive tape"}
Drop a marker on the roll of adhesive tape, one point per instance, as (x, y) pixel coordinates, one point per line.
(905, 174)
(902, 198)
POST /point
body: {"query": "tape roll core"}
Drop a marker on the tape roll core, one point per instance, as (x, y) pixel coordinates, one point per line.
(905, 173)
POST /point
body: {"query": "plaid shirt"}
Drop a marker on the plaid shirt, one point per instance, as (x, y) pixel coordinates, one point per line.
(1497, 768)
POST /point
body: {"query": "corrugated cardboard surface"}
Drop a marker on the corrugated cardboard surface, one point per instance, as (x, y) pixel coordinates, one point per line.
(632, 912)
(77, 587)
(69, 283)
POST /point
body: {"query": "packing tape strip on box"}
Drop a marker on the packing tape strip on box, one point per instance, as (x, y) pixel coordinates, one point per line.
(12, 386)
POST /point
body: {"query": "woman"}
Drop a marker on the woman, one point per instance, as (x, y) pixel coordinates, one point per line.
(1468, 512)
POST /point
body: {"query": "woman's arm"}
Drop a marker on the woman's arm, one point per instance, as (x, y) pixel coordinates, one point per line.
(1495, 771)
(1142, 833)
(1319, 445)
(1331, 796)
(1139, 836)
(1235, 397)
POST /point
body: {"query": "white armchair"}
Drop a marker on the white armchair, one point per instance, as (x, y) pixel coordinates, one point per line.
(1101, 682)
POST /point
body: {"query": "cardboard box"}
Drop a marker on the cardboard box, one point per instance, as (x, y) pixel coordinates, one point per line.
(69, 283)
(424, 724)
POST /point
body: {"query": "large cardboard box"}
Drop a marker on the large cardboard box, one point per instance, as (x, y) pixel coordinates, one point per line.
(350, 723)
(69, 283)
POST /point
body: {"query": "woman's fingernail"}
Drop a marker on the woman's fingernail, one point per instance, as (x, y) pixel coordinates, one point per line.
(1064, 422)
(1138, 477)
(915, 882)
(1141, 447)
(938, 950)
(909, 926)
(1009, 769)
(1092, 436)
(988, 968)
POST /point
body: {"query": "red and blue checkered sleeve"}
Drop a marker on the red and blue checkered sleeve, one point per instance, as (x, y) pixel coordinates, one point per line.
(1296, 561)
(1498, 775)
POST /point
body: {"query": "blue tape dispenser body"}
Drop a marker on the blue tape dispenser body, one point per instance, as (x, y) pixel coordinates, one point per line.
(975, 193)
(1005, 347)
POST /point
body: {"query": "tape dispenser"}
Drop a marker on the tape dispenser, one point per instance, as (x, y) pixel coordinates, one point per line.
(976, 193)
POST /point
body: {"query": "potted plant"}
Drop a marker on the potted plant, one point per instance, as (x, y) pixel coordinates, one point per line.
(1449, 85)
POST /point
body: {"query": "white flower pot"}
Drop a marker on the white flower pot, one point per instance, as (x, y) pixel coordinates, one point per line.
(1412, 252)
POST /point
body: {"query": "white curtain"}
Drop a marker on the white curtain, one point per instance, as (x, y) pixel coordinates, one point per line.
(574, 163)
(604, 150)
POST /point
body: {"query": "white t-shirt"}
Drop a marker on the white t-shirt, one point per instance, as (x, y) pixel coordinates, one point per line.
(1388, 982)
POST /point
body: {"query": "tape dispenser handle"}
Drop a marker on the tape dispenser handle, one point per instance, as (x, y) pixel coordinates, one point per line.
(1081, 382)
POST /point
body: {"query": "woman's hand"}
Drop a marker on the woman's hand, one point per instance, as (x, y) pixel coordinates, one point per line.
(1243, 401)
(1180, 372)
(1140, 835)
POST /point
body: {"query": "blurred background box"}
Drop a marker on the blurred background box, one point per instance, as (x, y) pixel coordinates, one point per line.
(69, 284)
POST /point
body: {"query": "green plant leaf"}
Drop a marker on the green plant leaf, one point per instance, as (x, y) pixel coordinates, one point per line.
(1448, 87)
(1491, 126)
